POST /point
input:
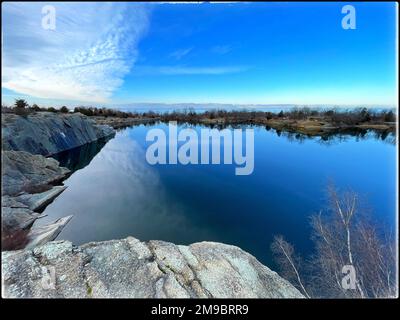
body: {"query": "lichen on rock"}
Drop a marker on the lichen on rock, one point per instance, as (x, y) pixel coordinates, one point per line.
(129, 268)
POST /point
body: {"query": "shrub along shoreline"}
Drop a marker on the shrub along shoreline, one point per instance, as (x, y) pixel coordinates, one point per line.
(308, 121)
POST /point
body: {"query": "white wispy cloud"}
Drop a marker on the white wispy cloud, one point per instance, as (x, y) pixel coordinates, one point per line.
(85, 58)
(179, 54)
(185, 70)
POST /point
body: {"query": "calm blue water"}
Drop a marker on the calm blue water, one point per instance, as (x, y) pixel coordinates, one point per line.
(119, 194)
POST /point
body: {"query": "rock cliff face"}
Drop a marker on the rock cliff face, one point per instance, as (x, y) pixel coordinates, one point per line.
(29, 179)
(48, 133)
(27, 187)
(23, 172)
(130, 268)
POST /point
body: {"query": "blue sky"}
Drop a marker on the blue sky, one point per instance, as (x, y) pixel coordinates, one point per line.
(239, 53)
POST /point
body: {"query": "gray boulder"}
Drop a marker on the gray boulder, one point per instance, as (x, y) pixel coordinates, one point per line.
(25, 172)
(130, 268)
(47, 133)
(16, 215)
(39, 201)
(41, 235)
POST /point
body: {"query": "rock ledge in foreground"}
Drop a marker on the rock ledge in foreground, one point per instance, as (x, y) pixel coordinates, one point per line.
(130, 268)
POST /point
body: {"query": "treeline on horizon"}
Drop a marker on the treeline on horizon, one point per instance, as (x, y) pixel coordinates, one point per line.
(351, 116)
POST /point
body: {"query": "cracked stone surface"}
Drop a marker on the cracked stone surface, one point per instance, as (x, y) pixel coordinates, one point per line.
(47, 133)
(29, 173)
(27, 187)
(130, 268)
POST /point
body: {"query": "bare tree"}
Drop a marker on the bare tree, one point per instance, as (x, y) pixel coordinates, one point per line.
(345, 207)
(328, 257)
(343, 235)
(284, 253)
(376, 260)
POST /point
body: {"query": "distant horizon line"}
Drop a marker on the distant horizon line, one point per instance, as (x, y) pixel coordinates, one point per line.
(205, 104)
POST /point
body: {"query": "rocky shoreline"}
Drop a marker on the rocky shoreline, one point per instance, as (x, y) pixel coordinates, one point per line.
(120, 123)
(29, 184)
(35, 266)
(312, 126)
(30, 181)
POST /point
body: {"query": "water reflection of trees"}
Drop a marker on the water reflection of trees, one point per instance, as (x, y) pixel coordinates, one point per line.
(327, 138)
(339, 136)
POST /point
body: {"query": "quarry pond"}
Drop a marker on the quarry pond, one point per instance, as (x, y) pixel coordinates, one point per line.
(114, 192)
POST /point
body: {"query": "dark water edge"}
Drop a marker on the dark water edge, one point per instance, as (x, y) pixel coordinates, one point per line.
(79, 157)
(113, 193)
